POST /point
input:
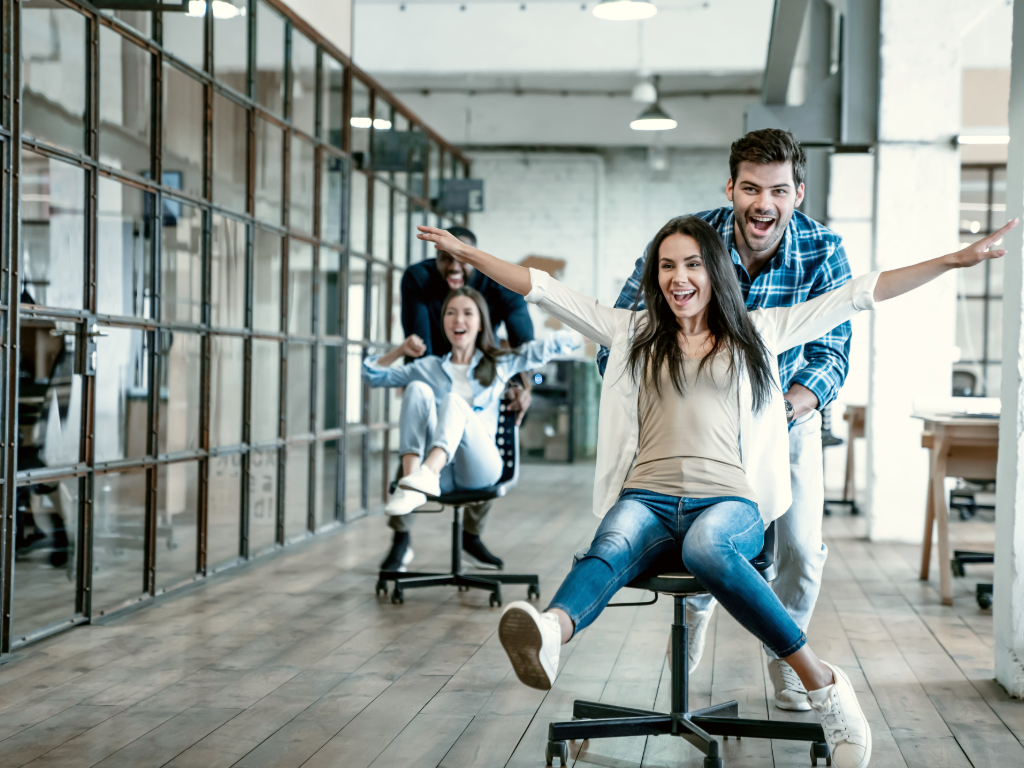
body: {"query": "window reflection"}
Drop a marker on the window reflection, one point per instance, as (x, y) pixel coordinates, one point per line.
(360, 123)
(269, 157)
(381, 220)
(357, 220)
(227, 273)
(354, 386)
(356, 297)
(303, 107)
(332, 191)
(118, 539)
(326, 482)
(182, 129)
(267, 282)
(180, 390)
(332, 99)
(303, 171)
(181, 275)
(53, 232)
(224, 500)
(266, 390)
(226, 358)
(328, 409)
(262, 501)
(53, 54)
(184, 34)
(380, 320)
(230, 148)
(300, 374)
(400, 230)
(300, 288)
(329, 311)
(354, 477)
(122, 393)
(124, 252)
(296, 492)
(124, 103)
(177, 507)
(269, 58)
(230, 42)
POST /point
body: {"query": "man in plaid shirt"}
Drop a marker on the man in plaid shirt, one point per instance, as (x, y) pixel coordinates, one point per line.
(782, 258)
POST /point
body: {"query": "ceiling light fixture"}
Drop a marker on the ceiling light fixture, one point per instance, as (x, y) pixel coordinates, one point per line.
(983, 139)
(221, 9)
(654, 118)
(624, 10)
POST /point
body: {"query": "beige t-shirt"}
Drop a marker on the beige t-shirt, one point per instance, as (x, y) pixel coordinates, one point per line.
(689, 445)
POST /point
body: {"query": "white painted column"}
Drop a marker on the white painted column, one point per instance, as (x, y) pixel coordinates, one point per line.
(917, 178)
(1008, 606)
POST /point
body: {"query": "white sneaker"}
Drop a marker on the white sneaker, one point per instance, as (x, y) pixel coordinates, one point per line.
(697, 632)
(532, 641)
(404, 501)
(789, 691)
(422, 480)
(846, 729)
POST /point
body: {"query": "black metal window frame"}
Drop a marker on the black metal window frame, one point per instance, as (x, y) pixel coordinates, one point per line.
(415, 188)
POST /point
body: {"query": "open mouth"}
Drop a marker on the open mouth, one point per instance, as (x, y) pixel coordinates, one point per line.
(459, 331)
(455, 280)
(682, 298)
(761, 225)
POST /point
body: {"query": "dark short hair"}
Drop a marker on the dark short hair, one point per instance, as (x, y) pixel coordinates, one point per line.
(765, 147)
(463, 234)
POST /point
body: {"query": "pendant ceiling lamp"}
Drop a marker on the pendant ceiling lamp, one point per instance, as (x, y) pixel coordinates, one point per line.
(624, 10)
(654, 118)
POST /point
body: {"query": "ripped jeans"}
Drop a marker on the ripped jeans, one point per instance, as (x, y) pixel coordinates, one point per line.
(718, 538)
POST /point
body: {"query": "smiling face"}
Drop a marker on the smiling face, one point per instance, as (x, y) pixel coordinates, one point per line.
(683, 278)
(461, 323)
(455, 273)
(763, 198)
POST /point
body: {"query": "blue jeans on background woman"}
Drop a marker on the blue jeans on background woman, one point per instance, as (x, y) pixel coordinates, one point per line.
(718, 538)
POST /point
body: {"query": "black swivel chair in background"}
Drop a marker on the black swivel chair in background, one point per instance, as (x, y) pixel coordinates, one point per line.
(605, 721)
(507, 439)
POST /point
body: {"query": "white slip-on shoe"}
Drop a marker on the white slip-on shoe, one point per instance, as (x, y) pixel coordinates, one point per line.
(532, 641)
(422, 480)
(789, 691)
(697, 632)
(403, 501)
(846, 729)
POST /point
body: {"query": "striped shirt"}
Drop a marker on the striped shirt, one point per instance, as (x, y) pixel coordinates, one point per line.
(810, 261)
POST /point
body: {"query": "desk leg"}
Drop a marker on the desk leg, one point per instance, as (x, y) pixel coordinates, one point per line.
(942, 517)
(929, 520)
(849, 490)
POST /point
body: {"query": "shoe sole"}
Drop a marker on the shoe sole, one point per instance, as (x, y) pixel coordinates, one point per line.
(472, 562)
(520, 637)
(791, 706)
(428, 494)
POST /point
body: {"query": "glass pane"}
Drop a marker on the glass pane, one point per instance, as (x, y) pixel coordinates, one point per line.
(380, 320)
(122, 393)
(231, 43)
(417, 247)
(435, 166)
(356, 297)
(230, 149)
(381, 220)
(266, 390)
(359, 123)
(269, 58)
(53, 55)
(375, 476)
(973, 200)
(303, 171)
(177, 507)
(226, 358)
(354, 390)
(185, 33)
(269, 156)
(328, 409)
(181, 356)
(397, 332)
(300, 374)
(296, 492)
(993, 380)
(300, 288)
(139, 20)
(53, 232)
(181, 278)
(303, 106)
(998, 197)
(400, 230)
(124, 103)
(118, 539)
(995, 330)
(46, 538)
(49, 395)
(332, 190)
(357, 216)
(333, 102)
(329, 311)
(353, 477)
(969, 328)
(266, 314)
(326, 482)
(262, 501)
(995, 276)
(124, 252)
(227, 273)
(182, 129)
(223, 526)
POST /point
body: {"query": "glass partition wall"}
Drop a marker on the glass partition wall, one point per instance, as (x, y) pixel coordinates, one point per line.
(203, 230)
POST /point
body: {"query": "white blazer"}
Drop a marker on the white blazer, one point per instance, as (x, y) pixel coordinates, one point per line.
(764, 436)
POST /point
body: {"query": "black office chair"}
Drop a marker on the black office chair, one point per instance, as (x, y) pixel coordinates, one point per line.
(604, 721)
(507, 439)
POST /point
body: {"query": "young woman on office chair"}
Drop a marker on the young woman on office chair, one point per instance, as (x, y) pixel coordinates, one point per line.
(449, 415)
(692, 446)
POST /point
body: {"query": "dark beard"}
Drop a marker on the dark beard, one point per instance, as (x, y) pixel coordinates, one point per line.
(780, 229)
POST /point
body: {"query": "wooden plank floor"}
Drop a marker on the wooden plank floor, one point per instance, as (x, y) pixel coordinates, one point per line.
(294, 662)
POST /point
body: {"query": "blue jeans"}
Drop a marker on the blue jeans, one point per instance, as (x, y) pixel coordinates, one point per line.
(718, 538)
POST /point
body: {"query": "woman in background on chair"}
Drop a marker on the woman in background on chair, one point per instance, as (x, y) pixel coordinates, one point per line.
(692, 447)
(449, 417)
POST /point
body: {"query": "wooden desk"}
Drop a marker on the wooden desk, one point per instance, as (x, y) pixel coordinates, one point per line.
(959, 447)
(854, 414)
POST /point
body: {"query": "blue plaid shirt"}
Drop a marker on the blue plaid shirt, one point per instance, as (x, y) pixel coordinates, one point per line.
(811, 261)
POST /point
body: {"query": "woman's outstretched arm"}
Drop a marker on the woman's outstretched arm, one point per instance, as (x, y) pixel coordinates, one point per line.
(896, 282)
(512, 276)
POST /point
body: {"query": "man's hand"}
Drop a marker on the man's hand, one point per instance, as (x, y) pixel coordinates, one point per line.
(413, 346)
(804, 401)
(519, 400)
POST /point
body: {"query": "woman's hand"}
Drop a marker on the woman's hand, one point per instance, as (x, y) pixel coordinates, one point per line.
(443, 241)
(975, 253)
(413, 346)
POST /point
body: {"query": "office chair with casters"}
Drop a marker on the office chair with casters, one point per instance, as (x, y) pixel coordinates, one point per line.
(507, 439)
(592, 720)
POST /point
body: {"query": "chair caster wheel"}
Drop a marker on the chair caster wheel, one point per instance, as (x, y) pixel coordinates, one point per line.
(985, 601)
(820, 749)
(397, 597)
(533, 592)
(559, 749)
(713, 762)
(495, 601)
(381, 588)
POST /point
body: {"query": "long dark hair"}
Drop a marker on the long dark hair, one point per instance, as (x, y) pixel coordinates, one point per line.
(656, 343)
(487, 369)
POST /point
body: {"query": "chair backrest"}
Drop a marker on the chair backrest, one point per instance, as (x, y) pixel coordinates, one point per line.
(507, 439)
(965, 383)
